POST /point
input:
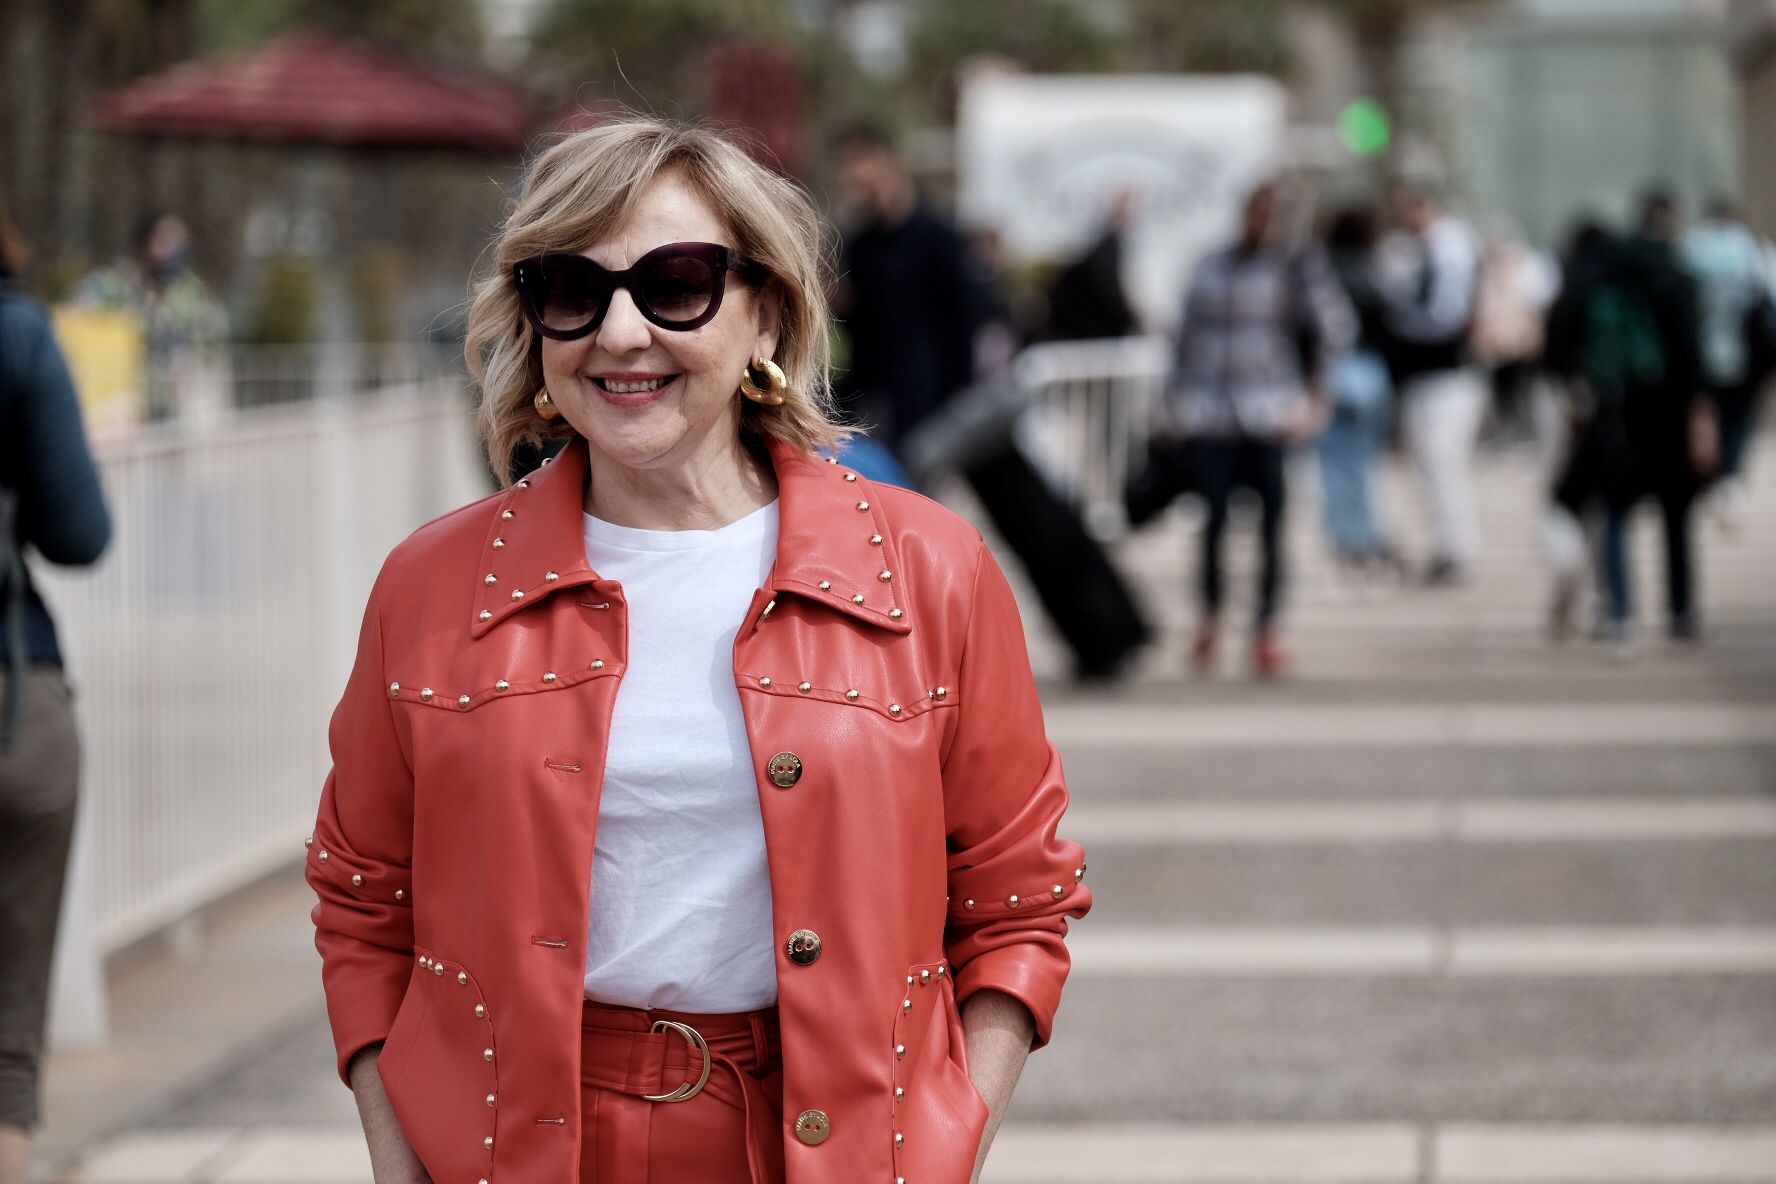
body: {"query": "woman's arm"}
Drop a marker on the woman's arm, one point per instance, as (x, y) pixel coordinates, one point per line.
(391, 1157)
(1013, 883)
(999, 1030)
(61, 503)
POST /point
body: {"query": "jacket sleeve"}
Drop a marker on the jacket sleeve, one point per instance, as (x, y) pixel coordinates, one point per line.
(360, 858)
(1012, 883)
(61, 503)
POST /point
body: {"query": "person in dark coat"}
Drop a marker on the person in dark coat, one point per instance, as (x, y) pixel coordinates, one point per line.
(904, 295)
(911, 305)
(1087, 300)
(50, 502)
(1629, 330)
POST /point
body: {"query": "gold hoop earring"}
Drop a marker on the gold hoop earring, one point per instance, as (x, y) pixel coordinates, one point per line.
(771, 395)
(545, 406)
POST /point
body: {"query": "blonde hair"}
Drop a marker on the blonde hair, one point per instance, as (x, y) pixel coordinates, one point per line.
(584, 188)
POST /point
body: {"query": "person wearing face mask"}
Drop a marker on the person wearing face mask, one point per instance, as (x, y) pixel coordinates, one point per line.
(692, 816)
(178, 314)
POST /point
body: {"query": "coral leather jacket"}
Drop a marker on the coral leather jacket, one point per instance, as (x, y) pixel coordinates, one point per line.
(910, 801)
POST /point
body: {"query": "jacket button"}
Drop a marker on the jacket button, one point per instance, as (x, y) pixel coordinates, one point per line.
(803, 947)
(812, 1127)
(785, 769)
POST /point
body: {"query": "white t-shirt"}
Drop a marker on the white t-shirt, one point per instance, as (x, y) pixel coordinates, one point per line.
(681, 893)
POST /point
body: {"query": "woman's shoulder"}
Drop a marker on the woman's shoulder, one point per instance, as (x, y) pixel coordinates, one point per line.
(22, 317)
(939, 549)
(25, 335)
(928, 521)
(452, 540)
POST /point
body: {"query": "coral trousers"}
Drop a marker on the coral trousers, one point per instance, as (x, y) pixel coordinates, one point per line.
(729, 1132)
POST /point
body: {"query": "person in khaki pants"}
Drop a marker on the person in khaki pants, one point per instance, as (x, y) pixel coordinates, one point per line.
(51, 502)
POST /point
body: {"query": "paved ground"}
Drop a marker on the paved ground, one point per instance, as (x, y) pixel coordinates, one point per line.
(1451, 906)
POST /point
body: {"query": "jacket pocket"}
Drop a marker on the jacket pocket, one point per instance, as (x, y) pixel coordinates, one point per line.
(409, 1018)
(444, 1084)
(939, 1116)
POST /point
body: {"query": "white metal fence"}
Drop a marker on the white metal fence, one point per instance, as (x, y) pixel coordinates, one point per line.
(209, 645)
(264, 374)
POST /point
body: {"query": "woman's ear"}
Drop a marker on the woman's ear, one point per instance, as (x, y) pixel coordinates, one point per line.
(769, 303)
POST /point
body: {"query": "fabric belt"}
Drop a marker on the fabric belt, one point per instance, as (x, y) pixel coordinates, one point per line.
(620, 1050)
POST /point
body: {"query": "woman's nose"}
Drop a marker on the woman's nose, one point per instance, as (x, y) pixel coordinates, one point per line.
(624, 330)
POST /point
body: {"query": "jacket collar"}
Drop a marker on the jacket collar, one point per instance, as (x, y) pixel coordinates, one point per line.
(834, 544)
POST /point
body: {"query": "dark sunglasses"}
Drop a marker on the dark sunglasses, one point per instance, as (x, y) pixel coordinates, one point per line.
(678, 286)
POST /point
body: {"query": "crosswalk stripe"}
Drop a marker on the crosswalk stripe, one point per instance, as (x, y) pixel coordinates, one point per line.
(1077, 727)
(1107, 1153)
(1604, 1154)
(1303, 820)
(1379, 1153)
(1135, 951)
(1384, 1153)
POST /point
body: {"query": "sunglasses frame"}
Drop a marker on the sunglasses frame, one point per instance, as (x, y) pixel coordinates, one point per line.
(721, 259)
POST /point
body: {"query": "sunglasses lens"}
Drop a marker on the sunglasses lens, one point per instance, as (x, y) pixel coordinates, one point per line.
(678, 288)
(567, 297)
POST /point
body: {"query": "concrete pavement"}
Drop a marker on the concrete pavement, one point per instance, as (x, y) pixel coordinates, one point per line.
(1452, 905)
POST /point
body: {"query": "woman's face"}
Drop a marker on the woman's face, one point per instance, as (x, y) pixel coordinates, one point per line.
(696, 372)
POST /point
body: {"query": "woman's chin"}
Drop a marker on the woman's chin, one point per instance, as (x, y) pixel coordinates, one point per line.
(636, 442)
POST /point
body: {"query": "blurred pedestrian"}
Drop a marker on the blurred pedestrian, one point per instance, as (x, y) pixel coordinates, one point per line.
(905, 295)
(180, 319)
(826, 729)
(1515, 288)
(1570, 528)
(1651, 430)
(1087, 300)
(1733, 291)
(1361, 392)
(51, 503)
(1260, 323)
(1430, 295)
(913, 303)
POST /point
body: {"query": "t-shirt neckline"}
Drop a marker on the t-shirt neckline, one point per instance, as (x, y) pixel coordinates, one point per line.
(747, 527)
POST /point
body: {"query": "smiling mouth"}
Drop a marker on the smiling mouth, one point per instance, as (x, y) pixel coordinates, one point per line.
(632, 388)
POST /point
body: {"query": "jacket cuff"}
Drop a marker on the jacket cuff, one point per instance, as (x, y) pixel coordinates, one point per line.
(361, 1006)
(1033, 973)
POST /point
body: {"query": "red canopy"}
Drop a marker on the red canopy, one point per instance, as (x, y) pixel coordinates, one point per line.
(320, 90)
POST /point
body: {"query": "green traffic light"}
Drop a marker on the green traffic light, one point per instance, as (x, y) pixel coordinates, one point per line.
(1364, 128)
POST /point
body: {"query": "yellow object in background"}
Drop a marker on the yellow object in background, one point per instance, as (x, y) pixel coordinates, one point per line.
(106, 352)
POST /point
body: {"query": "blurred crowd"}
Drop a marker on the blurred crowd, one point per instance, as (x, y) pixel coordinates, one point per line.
(1633, 363)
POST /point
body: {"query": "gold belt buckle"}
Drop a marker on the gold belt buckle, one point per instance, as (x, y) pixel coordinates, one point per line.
(694, 1038)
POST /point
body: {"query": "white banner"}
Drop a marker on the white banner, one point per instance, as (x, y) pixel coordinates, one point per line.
(1042, 158)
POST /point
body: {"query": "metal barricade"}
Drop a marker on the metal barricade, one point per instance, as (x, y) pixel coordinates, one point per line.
(1094, 407)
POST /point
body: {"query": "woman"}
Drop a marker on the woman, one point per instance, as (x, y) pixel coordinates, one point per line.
(1350, 448)
(691, 815)
(50, 498)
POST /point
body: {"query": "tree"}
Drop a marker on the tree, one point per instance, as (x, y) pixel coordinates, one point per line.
(445, 26)
(652, 43)
(1207, 36)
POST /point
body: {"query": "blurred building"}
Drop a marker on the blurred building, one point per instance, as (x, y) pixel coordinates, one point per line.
(1752, 32)
(1548, 108)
